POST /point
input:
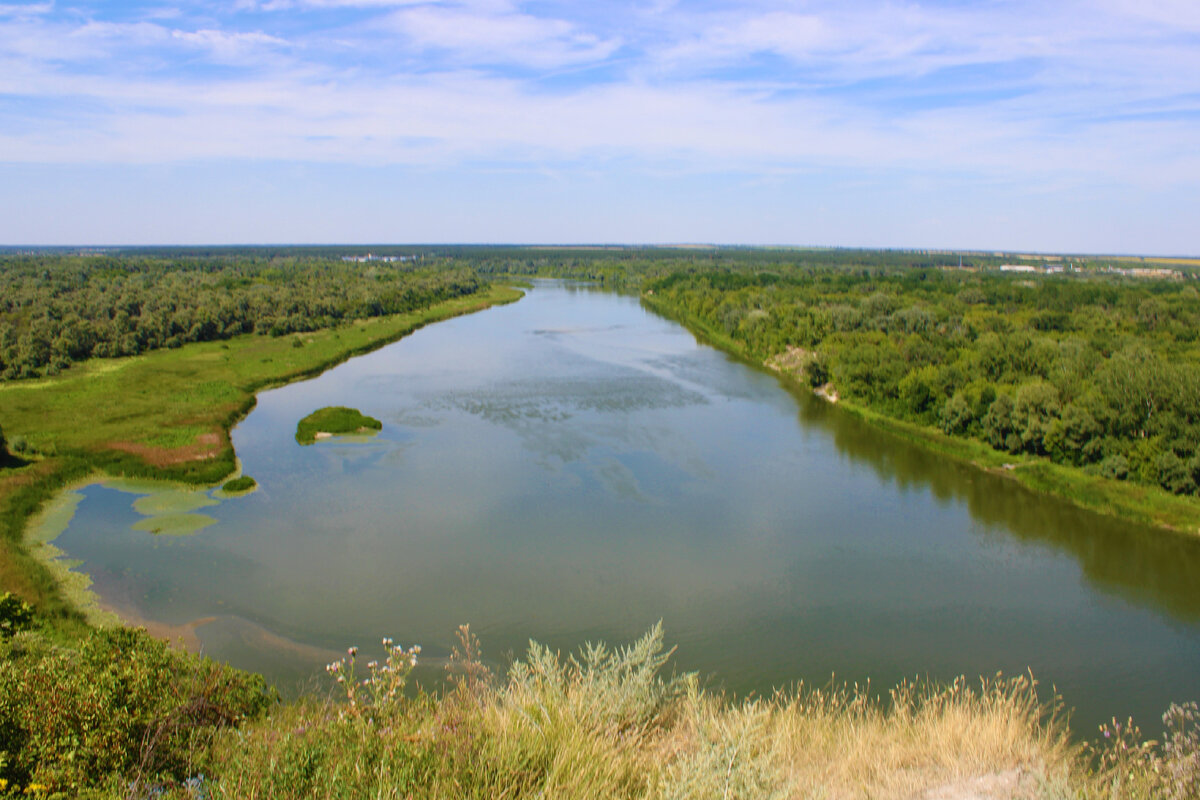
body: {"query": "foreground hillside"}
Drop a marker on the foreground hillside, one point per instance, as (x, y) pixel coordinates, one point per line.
(121, 716)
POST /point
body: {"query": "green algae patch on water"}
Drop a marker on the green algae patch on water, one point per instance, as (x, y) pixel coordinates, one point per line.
(174, 524)
(172, 501)
(169, 509)
(335, 421)
(43, 529)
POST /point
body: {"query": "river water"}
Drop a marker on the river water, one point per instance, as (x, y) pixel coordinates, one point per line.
(573, 467)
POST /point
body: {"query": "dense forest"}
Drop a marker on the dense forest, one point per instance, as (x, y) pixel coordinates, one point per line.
(1097, 372)
(58, 309)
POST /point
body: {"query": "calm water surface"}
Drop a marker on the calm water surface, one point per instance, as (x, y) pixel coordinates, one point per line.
(573, 467)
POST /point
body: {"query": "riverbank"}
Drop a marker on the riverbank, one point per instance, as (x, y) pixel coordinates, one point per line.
(1147, 505)
(165, 415)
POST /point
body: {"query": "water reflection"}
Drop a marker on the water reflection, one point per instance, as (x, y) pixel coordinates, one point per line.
(1138, 563)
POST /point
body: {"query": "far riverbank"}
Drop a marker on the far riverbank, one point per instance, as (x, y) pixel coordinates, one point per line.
(1146, 505)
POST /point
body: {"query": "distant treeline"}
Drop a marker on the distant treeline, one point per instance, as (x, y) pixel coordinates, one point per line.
(1098, 373)
(633, 267)
(59, 309)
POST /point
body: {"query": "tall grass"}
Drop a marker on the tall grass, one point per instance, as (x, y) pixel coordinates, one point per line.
(122, 717)
(607, 723)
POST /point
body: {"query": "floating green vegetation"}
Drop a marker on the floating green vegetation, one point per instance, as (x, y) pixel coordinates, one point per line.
(334, 421)
(240, 485)
(174, 524)
(53, 519)
(170, 509)
(172, 501)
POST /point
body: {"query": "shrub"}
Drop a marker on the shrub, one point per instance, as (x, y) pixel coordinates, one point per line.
(1114, 467)
(241, 484)
(121, 707)
(1173, 474)
(1131, 767)
(1181, 752)
(334, 420)
(15, 615)
(817, 374)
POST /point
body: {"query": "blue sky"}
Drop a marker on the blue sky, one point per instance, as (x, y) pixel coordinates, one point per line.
(1060, 126)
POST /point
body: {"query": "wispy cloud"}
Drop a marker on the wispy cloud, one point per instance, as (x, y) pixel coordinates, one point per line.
(25, 9)
(474, 35)
(229, 47)
(1058, 97)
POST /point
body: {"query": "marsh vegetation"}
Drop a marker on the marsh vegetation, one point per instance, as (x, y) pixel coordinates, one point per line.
(242, 483)
(334, 421)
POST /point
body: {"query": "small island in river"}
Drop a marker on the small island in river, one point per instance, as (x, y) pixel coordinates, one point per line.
(334, 421)
(243, 484)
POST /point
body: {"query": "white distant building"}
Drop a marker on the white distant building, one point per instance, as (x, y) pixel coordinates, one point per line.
(373, 257)
(1018, 268)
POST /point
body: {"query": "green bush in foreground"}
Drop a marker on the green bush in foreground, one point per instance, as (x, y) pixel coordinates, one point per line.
(15, 615)
(334, 420)
(122, 711)
(242, 484)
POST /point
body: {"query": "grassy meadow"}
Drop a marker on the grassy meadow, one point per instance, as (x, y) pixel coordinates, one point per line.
(164, 415)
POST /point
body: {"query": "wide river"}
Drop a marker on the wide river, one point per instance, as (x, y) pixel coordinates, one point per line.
(573, 467)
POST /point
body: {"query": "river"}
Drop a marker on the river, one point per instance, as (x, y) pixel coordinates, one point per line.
(573, 467)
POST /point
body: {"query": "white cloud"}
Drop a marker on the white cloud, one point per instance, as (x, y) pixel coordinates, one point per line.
(1083, 110)
(475, 36)
(25, 9)
(229, 47)
(1171, 14)
(282, 5)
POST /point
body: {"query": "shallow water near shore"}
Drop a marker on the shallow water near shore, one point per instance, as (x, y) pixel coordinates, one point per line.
(573, 467)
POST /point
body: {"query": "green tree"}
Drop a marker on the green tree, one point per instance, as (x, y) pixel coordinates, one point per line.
(998, 422)
(955, 415)
(1036, 407)
(1075, 437)
(1173, 474)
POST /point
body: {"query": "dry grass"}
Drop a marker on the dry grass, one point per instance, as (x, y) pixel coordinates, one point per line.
(604, 724)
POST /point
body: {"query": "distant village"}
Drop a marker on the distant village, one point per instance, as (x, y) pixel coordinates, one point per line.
(1058, 267)
(1131, 272)
(373, 257)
